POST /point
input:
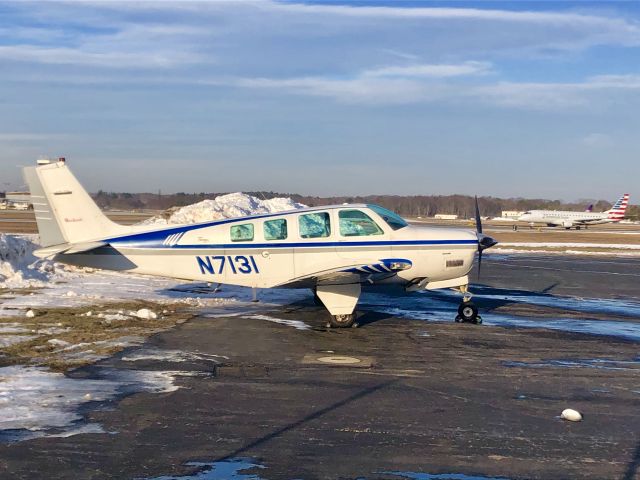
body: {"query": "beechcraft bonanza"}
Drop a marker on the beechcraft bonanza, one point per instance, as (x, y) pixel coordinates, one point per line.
(332, 250)
(567, 219)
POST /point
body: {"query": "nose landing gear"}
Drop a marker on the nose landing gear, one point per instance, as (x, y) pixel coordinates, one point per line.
(467, 311)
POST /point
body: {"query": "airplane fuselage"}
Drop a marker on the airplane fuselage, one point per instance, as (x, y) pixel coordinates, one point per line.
(290, 250)
(564, 218)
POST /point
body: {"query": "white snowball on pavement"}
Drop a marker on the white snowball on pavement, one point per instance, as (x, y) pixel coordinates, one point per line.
(571, 415)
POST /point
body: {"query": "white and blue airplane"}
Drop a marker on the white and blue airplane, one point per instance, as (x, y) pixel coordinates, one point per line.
(332, 250)
(572, 219)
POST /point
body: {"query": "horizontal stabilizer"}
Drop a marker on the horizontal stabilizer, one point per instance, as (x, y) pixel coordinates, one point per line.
(68, 249)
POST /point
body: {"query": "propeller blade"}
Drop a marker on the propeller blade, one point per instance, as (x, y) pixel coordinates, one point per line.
(478, 219)
(479, 262)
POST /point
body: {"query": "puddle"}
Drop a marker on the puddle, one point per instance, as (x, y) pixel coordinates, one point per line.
(225, 470)
(598, 363)
(586, 305)
(438, 307)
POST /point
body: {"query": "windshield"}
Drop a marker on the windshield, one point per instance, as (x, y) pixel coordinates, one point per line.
(394, 220)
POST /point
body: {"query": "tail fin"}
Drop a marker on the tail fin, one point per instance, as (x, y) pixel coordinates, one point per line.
(65, 213)
(589, 208)
(616, 213)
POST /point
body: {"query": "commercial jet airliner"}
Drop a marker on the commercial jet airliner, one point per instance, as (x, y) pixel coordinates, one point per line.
(568, 219)
(332, 250)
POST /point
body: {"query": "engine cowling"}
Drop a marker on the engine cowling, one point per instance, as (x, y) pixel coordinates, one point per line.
(567, 224)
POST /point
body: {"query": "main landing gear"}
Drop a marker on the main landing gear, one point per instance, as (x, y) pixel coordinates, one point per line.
(343, 321)
(340, 301)
(467, 311)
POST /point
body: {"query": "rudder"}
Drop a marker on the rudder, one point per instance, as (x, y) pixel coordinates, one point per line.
(65, 213)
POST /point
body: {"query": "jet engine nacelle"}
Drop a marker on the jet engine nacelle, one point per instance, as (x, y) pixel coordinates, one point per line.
(567, 224)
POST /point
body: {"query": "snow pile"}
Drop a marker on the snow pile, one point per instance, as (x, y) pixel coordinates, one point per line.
(146, 314)
(225, 206)
(20, 268)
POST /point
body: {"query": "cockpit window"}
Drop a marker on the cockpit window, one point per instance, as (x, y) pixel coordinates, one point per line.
(356, 223)
(394, 220)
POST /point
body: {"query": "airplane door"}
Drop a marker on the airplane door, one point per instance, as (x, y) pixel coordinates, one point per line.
(360, 237)
(274, 258)
(315, 253)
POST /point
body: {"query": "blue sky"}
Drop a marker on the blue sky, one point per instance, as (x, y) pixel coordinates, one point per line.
(533, 99)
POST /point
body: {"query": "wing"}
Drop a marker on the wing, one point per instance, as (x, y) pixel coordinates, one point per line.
(355, 273)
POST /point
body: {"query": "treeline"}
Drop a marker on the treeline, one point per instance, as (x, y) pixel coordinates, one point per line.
(410, 206)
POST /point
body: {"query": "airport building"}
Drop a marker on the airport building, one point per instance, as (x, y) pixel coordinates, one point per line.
(18, 200)
(511, 214)
(446, 216)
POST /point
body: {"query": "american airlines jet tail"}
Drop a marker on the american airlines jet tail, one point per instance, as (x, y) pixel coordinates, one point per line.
(569, 219)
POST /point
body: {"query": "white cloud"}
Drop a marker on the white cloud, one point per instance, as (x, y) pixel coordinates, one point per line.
(71, 56)
(383, 85)
(416, 86)
(430, 71)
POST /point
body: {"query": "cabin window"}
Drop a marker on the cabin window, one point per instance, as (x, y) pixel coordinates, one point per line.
(314, 225)
(356, 223)
(275, 229)
(242, 233)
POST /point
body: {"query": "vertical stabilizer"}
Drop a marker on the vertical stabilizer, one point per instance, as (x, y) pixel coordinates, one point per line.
(64, 211)
(617, 212)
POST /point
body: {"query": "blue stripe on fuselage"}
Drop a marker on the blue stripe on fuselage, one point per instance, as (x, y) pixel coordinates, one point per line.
(381, 243)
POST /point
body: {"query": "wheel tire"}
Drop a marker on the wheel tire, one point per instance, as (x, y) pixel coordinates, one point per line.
(343, 321)
(468, 312)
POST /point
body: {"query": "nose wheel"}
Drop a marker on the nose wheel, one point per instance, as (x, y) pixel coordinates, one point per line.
(468, 313)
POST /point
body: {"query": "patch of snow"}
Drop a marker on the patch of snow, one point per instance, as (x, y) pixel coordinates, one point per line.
(157, 354)
(619, 253)
(113, 317)
(30, 314)
(146, 314)
(8, 340)
(225, 206)
(297, 324)
(20, 268)
(36, 399)
(56, 342)
(623, 246)
(12, 328)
